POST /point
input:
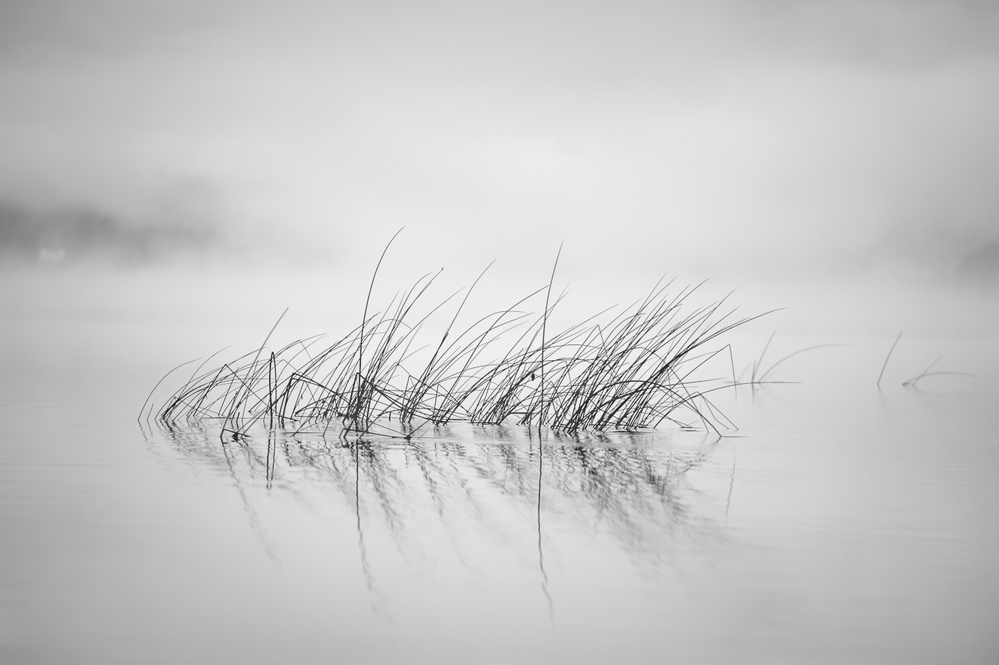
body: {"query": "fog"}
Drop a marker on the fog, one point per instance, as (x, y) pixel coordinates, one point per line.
(184, 183)
(800, 152)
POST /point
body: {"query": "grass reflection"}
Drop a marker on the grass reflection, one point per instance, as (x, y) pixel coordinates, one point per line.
(462, 489)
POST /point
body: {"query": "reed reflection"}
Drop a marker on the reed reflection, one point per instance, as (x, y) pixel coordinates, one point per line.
(463, 489)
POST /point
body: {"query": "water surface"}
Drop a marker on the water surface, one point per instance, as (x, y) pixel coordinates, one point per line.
(838, 523)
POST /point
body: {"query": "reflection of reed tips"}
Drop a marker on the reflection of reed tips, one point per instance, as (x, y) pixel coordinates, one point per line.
(615, 483)
(362, 550)
(887, 357)
(731, 485)
(541, 551)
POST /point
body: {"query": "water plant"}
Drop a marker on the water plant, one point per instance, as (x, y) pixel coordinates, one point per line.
(888, 357)
(760, 373)
(911, 383)
(626, 371)
(927, 372)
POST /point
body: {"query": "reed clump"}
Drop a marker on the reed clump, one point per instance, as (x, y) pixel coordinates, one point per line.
(626, 371)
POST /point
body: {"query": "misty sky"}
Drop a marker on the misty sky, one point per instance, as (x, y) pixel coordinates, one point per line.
(746, 133)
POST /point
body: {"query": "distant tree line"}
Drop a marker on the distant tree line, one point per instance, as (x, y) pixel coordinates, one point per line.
(82, 234)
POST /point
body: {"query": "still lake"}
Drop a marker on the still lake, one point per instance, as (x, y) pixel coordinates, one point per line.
(839, 523)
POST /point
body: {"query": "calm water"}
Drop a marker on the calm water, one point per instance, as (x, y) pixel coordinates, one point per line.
(840, 523)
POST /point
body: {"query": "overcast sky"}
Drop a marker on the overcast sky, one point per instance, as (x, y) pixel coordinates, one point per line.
(747, 133)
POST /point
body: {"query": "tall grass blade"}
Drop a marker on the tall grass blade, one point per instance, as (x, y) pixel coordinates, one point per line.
(890, 351)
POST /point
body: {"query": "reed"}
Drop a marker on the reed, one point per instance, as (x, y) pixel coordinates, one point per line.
(911, 383)
(627, 371)
(927, 372)
(887, 358)
(759, 373)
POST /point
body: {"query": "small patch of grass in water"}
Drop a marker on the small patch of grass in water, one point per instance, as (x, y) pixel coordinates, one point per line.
(629, 371)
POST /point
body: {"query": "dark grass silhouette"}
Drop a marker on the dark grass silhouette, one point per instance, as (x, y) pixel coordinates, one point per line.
(627, 371)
